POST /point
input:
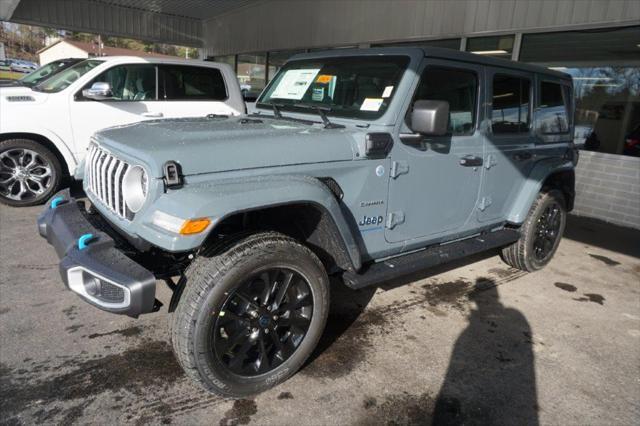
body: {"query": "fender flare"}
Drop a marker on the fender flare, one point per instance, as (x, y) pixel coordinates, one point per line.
(220, 199)
(58, 143)
(532, 186)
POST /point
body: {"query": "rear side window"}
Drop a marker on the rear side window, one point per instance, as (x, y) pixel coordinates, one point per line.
(551, 115)
(459, 88)
(511, 104)
(188, 83)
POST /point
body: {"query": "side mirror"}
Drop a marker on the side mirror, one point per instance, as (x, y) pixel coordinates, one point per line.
(430, 117)
(99, 91)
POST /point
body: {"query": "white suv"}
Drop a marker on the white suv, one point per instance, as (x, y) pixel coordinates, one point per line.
(45, 130)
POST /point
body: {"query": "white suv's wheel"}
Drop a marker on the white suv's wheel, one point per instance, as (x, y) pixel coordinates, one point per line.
(29, 173)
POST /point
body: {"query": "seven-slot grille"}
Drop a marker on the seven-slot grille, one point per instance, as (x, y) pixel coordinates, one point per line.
(105, 174)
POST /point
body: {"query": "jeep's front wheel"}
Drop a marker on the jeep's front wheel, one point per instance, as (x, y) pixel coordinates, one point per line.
(249, 317)
(540, 233)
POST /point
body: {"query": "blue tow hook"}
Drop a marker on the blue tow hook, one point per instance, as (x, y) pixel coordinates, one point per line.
(84, 240)
(57, 201)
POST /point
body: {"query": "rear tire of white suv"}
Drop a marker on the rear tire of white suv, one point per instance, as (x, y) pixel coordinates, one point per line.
(29, 173)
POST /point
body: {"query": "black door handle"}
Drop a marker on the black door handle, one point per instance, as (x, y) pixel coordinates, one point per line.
(522, 156)
(471, 161)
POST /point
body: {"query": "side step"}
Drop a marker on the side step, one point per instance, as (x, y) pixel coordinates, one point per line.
(377, 273)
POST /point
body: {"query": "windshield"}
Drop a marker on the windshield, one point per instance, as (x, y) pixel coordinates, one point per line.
(41, 73)
(66, 77)
(351, 87)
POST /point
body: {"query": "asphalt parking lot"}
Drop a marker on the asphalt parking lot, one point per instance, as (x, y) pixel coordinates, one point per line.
(474, 342)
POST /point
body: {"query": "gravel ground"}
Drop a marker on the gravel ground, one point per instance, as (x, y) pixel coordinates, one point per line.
(473, 342)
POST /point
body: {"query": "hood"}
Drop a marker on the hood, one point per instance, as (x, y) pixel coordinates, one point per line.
(209, 145)
(15, 90)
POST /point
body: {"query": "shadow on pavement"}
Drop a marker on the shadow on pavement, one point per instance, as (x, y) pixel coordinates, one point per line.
(491, 374)
(604, 235)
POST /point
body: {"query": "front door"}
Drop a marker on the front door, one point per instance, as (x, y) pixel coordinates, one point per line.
(509, 145)
(434, 181)
(134, 99)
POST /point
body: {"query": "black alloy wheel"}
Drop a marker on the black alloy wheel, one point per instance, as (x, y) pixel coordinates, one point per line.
(547, 231)
(263, 322)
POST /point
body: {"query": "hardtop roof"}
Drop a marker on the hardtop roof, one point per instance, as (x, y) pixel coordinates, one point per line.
(434, 52)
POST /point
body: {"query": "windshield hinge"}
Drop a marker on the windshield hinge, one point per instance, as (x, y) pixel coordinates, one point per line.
(398, 168)
(394, 219)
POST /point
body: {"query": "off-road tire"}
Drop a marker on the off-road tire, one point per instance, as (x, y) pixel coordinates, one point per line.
(207, 282)
(57, 176)
(520, 254)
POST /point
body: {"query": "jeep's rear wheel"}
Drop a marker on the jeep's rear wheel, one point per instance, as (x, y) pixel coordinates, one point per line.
(249, 317)
(29, 173)
(540, 233)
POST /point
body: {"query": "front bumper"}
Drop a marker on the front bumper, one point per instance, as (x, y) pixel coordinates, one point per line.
(96, 270)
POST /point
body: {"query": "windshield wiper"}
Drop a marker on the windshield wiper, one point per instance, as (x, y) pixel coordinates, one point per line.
(322, 111)
(276, 110)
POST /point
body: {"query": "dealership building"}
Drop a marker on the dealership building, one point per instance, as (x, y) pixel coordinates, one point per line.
(596, 41)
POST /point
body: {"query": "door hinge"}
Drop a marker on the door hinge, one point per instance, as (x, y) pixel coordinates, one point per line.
(484, 203)
(491, 161)
(399, 168)
(395, 218)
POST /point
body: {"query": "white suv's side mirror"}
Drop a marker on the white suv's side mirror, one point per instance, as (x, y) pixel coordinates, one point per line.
(99, 91)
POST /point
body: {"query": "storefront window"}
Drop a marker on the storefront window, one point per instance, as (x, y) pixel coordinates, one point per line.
(605, 66)
(496, 46)
(277, 60)
(450, 43)
(228, 59)
(251, 71)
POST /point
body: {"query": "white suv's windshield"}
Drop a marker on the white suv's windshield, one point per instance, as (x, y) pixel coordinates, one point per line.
(44, 72)
(65, 78)
(351, 87)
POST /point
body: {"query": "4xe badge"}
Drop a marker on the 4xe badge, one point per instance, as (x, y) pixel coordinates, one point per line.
(371, 220)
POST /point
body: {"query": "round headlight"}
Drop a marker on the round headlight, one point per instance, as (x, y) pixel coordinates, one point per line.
(134, 188)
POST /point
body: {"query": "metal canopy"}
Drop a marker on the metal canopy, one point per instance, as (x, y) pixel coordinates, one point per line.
(196, 9)
(164, 21)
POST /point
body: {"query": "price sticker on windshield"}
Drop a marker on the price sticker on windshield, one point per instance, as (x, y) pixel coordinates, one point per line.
(324, 79)
(294, 84)
(371, 104)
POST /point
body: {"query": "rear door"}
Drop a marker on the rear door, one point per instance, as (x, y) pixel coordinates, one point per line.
(192, 91)
(509, 144)
(434, 181)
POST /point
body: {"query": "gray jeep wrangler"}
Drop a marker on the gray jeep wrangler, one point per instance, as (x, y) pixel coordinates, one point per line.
(367, 164)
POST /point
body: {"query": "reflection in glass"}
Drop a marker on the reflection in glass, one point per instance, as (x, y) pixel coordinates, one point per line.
(251, 72)
(510, 112)
(449, 43)
(551, 114)
(607, 107)
(605, 66)
(277, 60)
(496, 46)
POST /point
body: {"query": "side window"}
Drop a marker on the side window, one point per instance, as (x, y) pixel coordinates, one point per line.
(456, 86)
(511, 104)
(184, 82)
(551, 114)
(130, 82)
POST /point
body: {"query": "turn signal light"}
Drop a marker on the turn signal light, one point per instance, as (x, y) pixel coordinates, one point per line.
(194, 226)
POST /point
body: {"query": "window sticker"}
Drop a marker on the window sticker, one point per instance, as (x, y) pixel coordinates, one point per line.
(324, 78)
(371, 104)
(294, 84)
(317, 94)
(387, 91)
